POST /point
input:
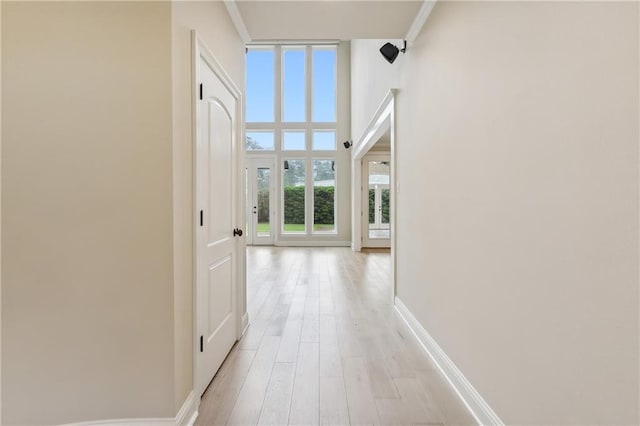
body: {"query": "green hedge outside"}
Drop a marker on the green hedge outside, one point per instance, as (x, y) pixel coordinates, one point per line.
(294, 204)
(385, 206)
(323, 208)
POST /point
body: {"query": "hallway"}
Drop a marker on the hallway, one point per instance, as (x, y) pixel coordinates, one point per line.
(326, 347)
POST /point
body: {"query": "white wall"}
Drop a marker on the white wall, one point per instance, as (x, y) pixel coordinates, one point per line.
(211, 21)
(87, 279)
(371, 78)
(0, 219)
(517, 225)
(97, 205)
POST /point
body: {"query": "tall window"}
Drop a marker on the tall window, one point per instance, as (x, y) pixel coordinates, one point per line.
(291, 112)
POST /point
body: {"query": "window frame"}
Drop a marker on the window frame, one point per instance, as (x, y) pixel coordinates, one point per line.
(279, 126)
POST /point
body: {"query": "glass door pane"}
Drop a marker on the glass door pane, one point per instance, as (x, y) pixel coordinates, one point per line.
(293, 210)
(378, 199)
(384, 206)
(263, 185)
(294, 84)
(324, 196)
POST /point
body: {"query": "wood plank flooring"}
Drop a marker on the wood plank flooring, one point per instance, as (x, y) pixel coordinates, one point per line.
(325, 346)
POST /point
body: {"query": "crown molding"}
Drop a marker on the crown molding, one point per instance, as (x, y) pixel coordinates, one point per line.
(419, 21)
(238, 22)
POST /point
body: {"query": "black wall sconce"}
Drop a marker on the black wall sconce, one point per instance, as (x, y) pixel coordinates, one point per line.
(390, 51)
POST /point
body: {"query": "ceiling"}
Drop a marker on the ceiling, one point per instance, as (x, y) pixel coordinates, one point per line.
(326, 19)
(384, 143)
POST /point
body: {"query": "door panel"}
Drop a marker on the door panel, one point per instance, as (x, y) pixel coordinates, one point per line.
(220, 296)
(216, 246)
(220, 164)
(262, 207)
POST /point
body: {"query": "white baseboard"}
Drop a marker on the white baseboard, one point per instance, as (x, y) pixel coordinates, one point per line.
(314, 243)
(185, 417)
(149, 421)
(245, 323)
(189, 411)
(476, 405)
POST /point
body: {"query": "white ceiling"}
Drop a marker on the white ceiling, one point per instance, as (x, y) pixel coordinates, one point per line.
(384, 143)
(327, 19)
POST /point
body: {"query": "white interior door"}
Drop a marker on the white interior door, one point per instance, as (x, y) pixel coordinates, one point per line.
(261, 214)
(216, 242)
(376, 196)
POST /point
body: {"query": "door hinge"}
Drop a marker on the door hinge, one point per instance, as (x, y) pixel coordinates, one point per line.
(200, 91)
(201, 217)
(201, 344)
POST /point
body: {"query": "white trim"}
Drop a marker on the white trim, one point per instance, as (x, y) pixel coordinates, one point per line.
(312, 243)
(419, 21)
(238, 22)
(189, 411)
(280, 42)
(382, 120)
(201, 49)
(375, 128)
(150, 421)
(185, 417)
(469, 396)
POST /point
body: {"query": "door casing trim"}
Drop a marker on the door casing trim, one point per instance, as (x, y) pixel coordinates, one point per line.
(382, 119)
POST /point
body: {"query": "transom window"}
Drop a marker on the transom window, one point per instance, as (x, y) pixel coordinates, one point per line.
(291, 113)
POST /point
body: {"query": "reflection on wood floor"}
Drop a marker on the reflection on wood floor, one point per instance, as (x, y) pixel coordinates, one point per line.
(325, 346)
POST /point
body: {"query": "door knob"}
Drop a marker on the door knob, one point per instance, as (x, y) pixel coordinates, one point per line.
(237, 232)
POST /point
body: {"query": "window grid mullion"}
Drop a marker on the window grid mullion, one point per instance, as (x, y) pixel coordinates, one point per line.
(308, 155)
(309, 162)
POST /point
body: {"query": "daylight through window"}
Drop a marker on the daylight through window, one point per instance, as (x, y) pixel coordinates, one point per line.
(291, 115)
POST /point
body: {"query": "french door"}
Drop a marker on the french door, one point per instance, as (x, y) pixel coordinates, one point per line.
(261, 214)
(376, 201)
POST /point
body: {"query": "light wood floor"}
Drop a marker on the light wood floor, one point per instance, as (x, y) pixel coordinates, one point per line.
(326, 347)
